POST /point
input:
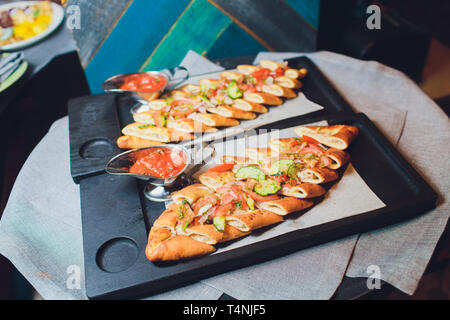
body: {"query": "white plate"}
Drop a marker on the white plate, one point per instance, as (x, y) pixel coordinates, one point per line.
(57, 18)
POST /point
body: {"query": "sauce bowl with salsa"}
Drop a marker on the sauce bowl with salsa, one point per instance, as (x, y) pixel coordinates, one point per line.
(162, 166)
(145, 86)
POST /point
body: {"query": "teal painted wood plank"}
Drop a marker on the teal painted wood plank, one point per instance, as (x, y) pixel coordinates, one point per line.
(197, 30)
(233, 42)
(135, 36)
(307, 9)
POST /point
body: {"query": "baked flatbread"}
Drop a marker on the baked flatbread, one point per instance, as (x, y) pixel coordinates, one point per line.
(206, 233)
(230, 112)
(336, 136)
(169, 218)
(189, 125)
(338, 158)
(247, 69)
(249, 106)
(178, 247)
(230, 75)
(263, 98)
(191, 88)
(279, 91)
(129, 142)
(272, 65)
(252, 220)
(150, 132)
(317, 175)
(191, 193)
(285, 206)
(287, 82)
(235, 159)
(156, 236)
(157, 104)
(304, 191)
(215, 180)
(231, 233)
(213, 120)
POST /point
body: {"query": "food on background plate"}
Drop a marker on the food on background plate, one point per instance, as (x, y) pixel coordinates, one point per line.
(244, 194)
(212, 103)
(22, 23)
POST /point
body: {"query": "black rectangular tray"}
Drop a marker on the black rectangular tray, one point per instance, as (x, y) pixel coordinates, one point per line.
(116, 217)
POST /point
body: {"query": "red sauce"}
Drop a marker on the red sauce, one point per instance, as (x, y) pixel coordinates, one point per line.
(159, 162)
(143, 82)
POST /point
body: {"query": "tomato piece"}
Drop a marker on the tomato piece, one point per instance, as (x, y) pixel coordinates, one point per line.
(310, 140)
(261, 74)
(179, 102)
(259, 198)
(222, 167)
(279, 71)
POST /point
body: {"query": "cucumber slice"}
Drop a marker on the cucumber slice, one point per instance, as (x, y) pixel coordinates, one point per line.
(219, 223)
(250, 172)
(267, 187)
(281, 166)
(233, 90)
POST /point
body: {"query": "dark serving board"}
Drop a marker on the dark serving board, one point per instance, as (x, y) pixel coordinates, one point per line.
(116, 217)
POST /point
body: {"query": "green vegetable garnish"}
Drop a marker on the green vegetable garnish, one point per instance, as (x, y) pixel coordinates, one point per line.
(219, 223)
(169, 100)
(266, 187)
(186, 224)
(238, 204)
(233, 90)
(144, 126)
(281, 166)
(250, 172)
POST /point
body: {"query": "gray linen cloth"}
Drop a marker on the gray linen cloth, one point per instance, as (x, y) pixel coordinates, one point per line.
(402, 251)
(40, 231)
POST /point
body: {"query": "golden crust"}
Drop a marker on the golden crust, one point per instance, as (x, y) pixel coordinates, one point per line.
(337, 157)
(304, 191)
(191, 193)
(160, 134)
(189, 125)
(206, 233)
(179, 247)
(253, 220)
(336, 136)
(263, 98)
(129, 142)
(317, 175)
(249, 106)
(231, 233)
(287, 82)
(156, 236)
(215, 180)
(230, 112)
(279, 91)
(213, 120)
(285, 206)
(168, 218)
